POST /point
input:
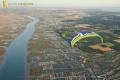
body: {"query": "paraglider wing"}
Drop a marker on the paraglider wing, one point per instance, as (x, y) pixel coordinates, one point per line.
(82, 35)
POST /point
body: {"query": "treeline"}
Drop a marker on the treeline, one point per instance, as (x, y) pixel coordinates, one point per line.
(116, 32)
(110, 20)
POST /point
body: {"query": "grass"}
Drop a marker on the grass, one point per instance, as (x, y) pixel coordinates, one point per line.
(2, 51)
(35, 72)
(110, 39)
(1, 59)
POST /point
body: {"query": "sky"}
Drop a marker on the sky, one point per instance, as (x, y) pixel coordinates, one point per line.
(70, 3)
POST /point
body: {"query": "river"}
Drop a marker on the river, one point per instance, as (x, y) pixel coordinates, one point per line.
(14, 64)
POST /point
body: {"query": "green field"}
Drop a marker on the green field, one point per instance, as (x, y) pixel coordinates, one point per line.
(110, 39)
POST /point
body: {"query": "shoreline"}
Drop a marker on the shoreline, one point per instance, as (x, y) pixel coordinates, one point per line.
(1, 63)
(2, 56)
(26, 74)
(27, 70)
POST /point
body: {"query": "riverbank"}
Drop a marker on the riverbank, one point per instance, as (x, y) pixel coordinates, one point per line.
(14, 65)
(11, 26)
(2, 54)
(27, 71)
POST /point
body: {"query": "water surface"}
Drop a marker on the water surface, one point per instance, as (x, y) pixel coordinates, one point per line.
(14, 64)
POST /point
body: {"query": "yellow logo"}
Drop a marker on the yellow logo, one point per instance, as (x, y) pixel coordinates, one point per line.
(5, 4)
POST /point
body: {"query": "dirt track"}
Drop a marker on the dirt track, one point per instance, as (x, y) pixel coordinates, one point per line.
(118, 40)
